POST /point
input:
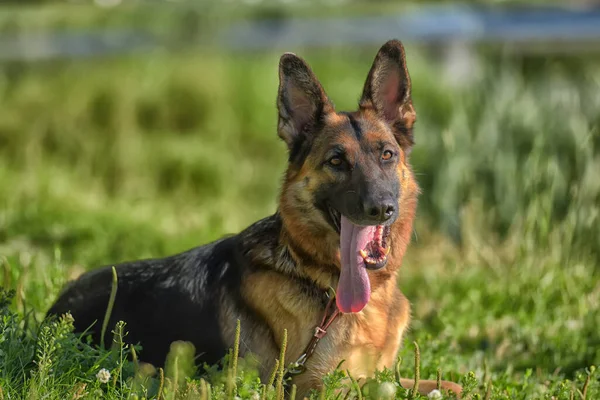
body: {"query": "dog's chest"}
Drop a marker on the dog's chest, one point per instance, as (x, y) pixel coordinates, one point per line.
(364, 342)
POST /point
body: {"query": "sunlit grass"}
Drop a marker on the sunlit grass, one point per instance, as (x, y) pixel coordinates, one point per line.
(111, 160)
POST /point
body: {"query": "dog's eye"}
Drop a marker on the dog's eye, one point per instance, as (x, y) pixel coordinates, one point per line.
(335, 161)
(387, 155)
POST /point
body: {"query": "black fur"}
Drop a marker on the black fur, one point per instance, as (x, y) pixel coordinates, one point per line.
(175, 298)
(355, 125)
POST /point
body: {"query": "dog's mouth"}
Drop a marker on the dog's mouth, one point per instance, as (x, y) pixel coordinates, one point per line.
(361, 248)
(376, 250)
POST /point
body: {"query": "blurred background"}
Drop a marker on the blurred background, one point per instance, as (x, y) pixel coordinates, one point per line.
(134, 129)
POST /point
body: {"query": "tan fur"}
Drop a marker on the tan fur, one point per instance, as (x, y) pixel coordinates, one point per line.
(368, 340)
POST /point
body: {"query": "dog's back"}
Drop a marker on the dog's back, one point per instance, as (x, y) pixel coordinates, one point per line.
(161, 300)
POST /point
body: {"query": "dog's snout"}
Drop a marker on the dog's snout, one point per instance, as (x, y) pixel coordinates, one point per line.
(381, 211)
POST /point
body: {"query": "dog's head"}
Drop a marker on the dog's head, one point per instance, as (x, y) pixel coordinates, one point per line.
(348, 180)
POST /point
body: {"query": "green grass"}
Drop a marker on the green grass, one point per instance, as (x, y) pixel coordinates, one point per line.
(108, 160)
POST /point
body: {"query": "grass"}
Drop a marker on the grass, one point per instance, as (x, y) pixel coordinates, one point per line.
(107, 160)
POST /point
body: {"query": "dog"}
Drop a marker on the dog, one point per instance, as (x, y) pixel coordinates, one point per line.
(344, 221)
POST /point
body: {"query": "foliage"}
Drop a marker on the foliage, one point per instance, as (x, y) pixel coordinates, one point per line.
(146, 155)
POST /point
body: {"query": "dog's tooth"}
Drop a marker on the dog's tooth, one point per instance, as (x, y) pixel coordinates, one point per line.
(386, 250)
(364, 254)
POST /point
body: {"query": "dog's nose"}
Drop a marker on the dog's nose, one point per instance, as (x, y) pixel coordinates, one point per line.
(381, 212)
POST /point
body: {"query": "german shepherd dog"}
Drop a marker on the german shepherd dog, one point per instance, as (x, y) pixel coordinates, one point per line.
(344, 221)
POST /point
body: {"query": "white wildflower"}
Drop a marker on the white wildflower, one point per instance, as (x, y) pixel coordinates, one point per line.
(103, 375)
(435, 394)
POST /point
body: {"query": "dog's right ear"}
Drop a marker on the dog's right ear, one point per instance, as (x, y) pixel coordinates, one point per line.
(301, 100)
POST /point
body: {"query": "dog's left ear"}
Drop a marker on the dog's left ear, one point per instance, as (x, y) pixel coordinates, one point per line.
(301, 101)
(387, 91)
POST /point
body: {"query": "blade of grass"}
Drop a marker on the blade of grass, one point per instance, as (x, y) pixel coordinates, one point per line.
(109, 308)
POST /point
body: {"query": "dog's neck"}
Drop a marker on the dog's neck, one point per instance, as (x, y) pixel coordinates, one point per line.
(314, 256)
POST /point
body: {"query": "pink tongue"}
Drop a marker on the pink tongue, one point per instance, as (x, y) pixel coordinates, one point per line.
(354, 288)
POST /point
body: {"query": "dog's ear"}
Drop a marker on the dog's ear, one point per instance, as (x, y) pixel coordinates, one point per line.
(301, 100)
(387, 91)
